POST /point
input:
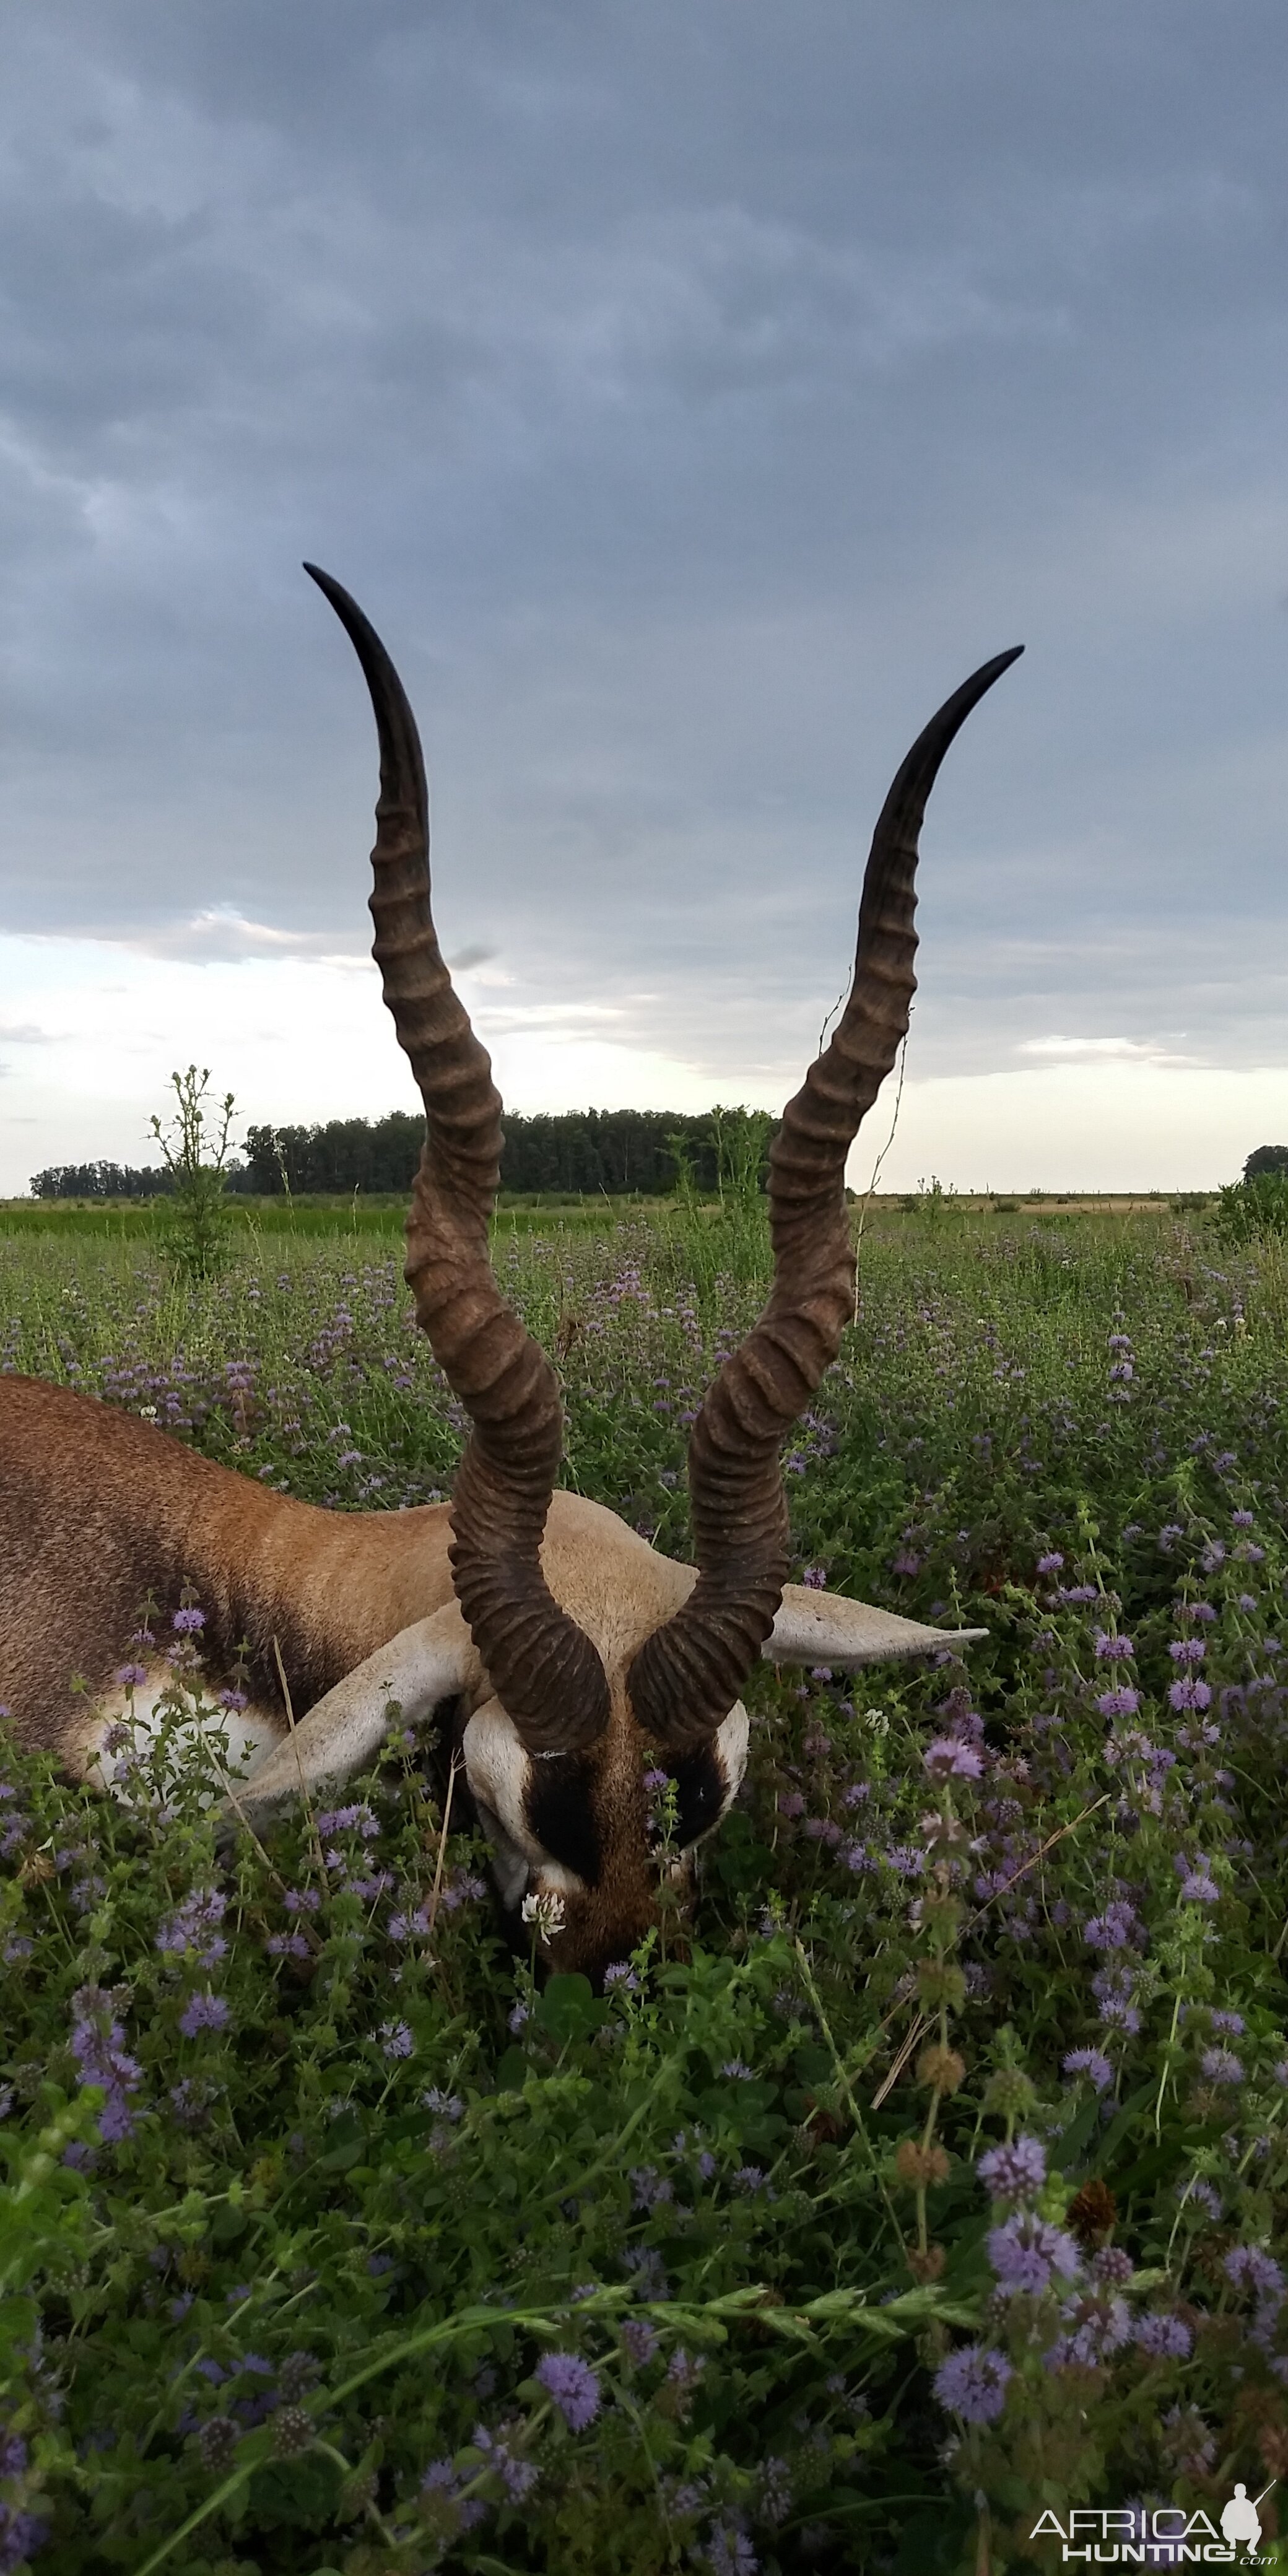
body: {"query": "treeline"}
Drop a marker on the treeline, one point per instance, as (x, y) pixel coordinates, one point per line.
(118, 1181)
(579, 1152)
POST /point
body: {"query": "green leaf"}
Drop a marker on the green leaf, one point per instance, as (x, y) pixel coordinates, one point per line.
(346, 2143)
(569, 2009)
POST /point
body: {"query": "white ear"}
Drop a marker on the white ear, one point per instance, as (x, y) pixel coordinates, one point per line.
(423, 1664)
(822, 1628)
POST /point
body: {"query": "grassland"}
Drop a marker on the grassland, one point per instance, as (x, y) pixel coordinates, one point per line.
(932, 2178)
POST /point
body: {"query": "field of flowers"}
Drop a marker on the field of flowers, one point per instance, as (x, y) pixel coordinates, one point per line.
(932, 2179)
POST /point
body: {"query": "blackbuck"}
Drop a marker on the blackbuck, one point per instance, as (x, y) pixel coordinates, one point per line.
(575, 1656)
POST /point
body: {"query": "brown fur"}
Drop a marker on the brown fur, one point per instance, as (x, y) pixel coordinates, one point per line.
(99, 1512)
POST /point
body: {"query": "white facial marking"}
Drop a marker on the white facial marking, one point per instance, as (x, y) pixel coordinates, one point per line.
(733, 1737)
(499, 1771)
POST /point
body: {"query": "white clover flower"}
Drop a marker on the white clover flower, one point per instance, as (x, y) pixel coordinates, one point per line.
(547, 1912)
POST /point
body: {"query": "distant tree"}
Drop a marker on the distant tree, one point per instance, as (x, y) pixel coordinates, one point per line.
(580, 1152)
(99, 1181)
(118, 1181)
(344, 1155)
(1266, 1158)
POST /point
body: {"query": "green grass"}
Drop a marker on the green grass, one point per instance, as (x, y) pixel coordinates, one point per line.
(276, 2290)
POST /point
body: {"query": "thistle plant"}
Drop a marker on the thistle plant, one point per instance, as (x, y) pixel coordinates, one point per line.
(195, 1148)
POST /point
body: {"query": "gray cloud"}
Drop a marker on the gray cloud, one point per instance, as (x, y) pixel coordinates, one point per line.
(693, 395)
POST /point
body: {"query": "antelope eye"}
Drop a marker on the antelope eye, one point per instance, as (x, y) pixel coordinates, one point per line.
(561, 1817)
(702, 1793)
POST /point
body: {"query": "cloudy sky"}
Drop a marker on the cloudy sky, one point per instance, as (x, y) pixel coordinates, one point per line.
(693, 393)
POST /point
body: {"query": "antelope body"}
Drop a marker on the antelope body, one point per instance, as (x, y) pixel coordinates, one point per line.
(575, 1654)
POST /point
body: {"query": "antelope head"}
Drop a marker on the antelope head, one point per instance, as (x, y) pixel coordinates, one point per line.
(582, 1657)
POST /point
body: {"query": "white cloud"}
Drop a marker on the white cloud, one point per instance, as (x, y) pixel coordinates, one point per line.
(224, 935)
(23, 1033)
(1058, 1050)
(1105, 1124)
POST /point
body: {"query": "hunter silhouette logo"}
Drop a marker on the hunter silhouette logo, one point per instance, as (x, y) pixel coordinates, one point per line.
(1134, 2535)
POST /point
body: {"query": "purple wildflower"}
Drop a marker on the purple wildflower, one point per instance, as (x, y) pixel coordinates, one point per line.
(729, 2552)
(949, 1759)
(1113, 1650)
(972, 2384)
(446, 2106)
(97, 2044)
(194, 1926)
(1164, 2337)
(1026, 2251)
(649, 2187)
(187, 1623)
(1111, 2267)
(21, 2535)
(1015, 2172)
(518, 2476)
(203, 2012)
(1092, 2063)
(573, 2385)
(905, 1861)
(1202, 2196)
(1188, 1692)
(1188, 1650)
(1221, 2066)
(132, 1676)
(444, 2482)
(1050, 1564)
(1249, 2267)
(1098, 2327)
(396, 2039)
(1118, 1703)
(1113, 1929)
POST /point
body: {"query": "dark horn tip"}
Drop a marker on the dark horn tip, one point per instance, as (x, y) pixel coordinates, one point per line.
(342, 600)
(983, 679)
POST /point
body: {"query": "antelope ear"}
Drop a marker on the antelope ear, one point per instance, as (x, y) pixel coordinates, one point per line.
(428, 1662)
(823, 1628)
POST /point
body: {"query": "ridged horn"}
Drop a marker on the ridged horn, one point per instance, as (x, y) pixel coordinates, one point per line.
(542, 1666)
(686, 1676)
